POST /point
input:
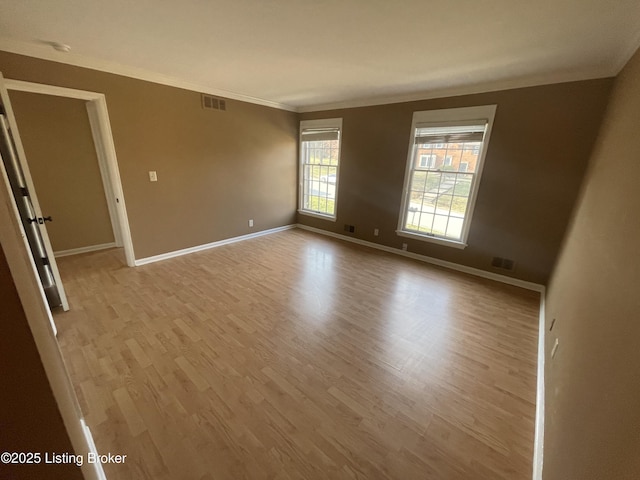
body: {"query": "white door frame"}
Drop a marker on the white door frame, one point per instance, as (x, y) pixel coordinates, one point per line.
(32, 296)
(106, 152)
(21, 159)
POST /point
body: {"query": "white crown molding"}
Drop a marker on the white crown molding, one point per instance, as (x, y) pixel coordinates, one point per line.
(45, 52)
(534, 81)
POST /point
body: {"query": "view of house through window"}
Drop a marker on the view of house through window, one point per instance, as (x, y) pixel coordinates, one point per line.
(443, 175)
(319, 161)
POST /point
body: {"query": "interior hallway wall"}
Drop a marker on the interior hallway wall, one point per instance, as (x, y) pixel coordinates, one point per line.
(62, 159)
(592, 424)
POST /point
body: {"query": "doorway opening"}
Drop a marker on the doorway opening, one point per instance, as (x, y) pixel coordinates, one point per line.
(19, 251)
(118, 233)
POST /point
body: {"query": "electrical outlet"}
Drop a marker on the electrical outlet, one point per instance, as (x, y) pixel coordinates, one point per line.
(153, 176)
(251, 222)
(404, 247)
(376, 232)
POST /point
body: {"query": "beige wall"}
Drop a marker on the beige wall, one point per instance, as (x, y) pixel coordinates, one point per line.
(216, 170)
(592, 425)
(539, 150)
(29, 417)
(63, 163)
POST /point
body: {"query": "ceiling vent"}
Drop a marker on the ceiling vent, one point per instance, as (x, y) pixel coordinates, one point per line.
(213, 103)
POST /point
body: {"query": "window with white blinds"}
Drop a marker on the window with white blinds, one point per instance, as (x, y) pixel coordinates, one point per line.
(446, 156)
(319, 166)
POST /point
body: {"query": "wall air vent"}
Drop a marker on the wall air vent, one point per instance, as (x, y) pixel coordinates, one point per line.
(213, 103)
(503, 263)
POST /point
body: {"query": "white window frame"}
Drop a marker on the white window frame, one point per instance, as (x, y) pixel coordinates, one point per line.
(448, 161)
(451, 116)
(319, 124)
(430, 162)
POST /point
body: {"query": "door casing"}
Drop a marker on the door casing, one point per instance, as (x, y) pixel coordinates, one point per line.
(105, 149)
(39, 318)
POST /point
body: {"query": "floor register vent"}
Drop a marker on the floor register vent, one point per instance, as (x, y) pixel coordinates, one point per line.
(503, 263)
(213, 103)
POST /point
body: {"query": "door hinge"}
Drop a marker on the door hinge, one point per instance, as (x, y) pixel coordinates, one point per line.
(45, 261)
(24, 192)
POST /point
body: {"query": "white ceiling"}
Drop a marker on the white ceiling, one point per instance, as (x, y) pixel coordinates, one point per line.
(311, 54)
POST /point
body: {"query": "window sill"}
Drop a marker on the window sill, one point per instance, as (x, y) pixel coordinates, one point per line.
(426, 238)
(317, 215)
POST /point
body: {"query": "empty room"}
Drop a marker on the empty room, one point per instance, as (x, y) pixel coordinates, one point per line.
(320, 240)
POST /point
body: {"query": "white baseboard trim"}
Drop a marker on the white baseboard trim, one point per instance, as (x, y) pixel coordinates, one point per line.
(207, 246)
(538, 445)
(95, 467)
(536, 287)
(90, 248)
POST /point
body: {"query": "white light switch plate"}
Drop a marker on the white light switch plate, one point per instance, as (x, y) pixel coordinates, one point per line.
(153, 176)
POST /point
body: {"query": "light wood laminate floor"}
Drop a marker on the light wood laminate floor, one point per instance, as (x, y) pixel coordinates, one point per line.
(296, 356)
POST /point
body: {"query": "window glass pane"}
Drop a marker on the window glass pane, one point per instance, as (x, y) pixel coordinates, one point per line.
(419, 221)
(418, 180)
(459, 206)
(426, 160)
(454, 228)
(319, 167)
(443, 164)
(463, 184)
(443, 204)
(433, 181)
(439, 225)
